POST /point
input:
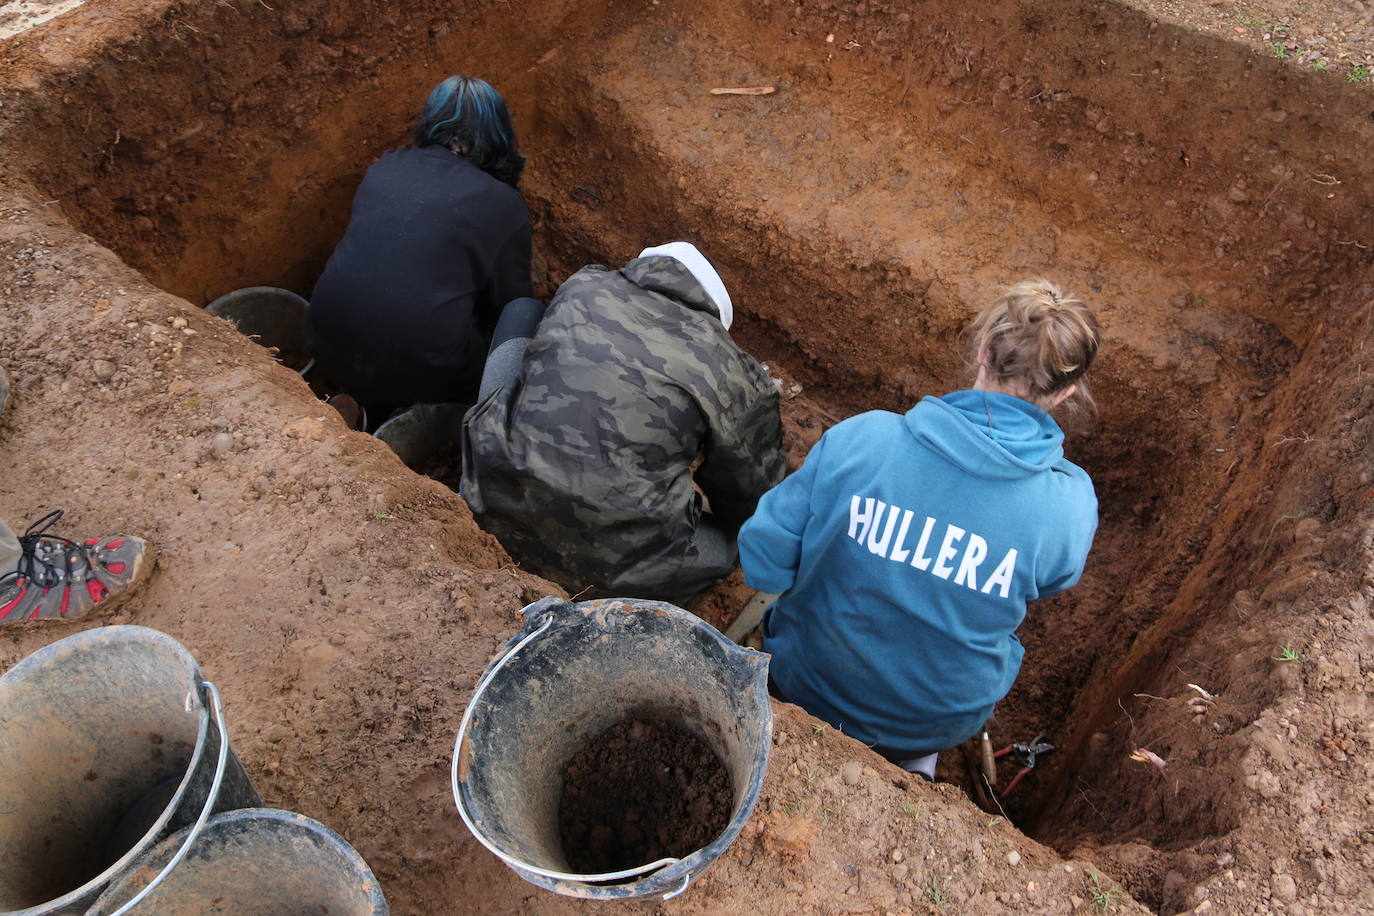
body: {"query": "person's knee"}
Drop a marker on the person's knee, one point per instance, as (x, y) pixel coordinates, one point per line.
(519, 318)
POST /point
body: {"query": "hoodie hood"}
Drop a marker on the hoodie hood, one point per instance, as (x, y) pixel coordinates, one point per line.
(688, 256)
(990, 435)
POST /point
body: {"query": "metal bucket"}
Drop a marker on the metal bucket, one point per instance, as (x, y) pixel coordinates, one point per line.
(273, 317)
(424, 432)
(253, 862)
(109, 741)
(569, 674)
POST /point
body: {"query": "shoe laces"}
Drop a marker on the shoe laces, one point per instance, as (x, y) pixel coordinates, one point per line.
(47, 558)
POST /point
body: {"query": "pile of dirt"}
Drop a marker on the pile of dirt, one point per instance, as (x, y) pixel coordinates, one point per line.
(641, 791)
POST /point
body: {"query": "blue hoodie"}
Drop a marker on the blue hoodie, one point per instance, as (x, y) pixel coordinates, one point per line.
(905, 550)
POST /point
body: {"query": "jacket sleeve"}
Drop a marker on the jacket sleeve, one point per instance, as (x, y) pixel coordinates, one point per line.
(743, 451)
(770, 543)
(1079, 526)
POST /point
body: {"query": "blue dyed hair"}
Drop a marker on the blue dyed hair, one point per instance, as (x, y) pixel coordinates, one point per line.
(468, 115)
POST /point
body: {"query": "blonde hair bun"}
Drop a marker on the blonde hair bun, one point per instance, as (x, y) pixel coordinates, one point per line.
(1037, 337)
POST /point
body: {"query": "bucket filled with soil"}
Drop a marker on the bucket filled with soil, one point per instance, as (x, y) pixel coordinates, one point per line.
(614, 749)
(252, 862)
(110, 740)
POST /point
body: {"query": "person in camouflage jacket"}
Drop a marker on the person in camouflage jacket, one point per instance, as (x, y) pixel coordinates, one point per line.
(582, 465)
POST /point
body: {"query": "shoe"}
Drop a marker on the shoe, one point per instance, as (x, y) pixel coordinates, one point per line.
(60, 579)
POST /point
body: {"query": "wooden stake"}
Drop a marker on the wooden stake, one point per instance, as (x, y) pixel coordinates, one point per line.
(745, 90)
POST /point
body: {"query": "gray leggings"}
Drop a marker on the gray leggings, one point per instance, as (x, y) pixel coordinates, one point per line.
(715, 559)
(9, 549)
(514, 328)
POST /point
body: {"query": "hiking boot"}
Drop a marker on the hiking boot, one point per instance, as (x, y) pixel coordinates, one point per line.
(60, 579)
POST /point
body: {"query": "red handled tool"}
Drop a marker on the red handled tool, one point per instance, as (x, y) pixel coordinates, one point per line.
(1026, 753)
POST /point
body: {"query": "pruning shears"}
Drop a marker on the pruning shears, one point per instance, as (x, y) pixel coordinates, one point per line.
(1026, 753)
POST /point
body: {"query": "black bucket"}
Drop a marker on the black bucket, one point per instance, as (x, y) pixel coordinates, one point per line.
(273, 317)
(422, 434)
(252, 862)
(110, 740)
(573, 671)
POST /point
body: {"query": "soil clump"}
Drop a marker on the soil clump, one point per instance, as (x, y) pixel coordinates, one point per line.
(640, 791)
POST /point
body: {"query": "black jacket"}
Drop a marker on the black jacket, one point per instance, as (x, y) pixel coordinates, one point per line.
(404, 310)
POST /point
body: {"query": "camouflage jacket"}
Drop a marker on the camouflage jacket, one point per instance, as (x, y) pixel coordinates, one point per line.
(584, 471)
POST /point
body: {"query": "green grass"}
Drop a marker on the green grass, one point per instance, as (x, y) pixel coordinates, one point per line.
(1289, 517)
(1357, 74)
(912, 811)
(1278, 50)
(1287, 654)
(817, 729)
(1102, 898)
(936, 894)
(1320, 64)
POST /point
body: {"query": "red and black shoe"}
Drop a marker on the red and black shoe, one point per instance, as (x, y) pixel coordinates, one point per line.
(59, 579)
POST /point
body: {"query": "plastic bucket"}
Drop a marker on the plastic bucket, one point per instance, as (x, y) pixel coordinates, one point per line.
(424, 432)
(273, 317)
(109, 741)
(253, 862)
(570, 673)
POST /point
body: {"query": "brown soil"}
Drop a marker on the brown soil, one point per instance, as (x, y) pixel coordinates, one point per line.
(1209, 197)
(641, 791)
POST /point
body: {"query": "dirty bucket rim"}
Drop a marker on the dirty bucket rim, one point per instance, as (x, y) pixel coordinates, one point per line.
(114, 634)
(690, 866)
(292, 819)
(247, 291)
(210, 799)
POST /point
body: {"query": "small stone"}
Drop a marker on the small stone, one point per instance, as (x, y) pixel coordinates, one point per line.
(896, 855)
(1013, 859)
(178, 322)
(222, 444)
(276, 734)
(851, 771)
(899, 872)
(1285, 888)
(103, 369)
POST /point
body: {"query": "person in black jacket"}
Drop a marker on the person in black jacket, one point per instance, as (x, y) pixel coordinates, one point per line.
(438, 244)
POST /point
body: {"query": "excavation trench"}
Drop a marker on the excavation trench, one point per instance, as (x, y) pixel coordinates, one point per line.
(860, 215)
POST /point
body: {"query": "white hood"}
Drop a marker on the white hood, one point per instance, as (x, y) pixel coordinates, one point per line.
(687, 255)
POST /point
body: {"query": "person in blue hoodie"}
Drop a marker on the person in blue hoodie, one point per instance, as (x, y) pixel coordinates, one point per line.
(905, 548)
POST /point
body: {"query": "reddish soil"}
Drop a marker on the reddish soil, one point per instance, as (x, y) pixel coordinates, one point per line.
(640, 791)
(1207, 195)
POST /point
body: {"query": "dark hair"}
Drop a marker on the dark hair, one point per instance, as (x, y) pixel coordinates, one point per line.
(466, 114)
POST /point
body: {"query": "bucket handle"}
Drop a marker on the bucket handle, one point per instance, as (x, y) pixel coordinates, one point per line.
(468, 820)
(204, 811)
